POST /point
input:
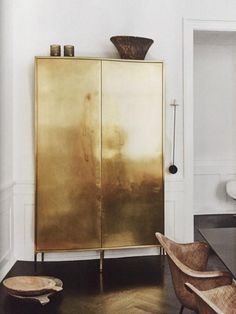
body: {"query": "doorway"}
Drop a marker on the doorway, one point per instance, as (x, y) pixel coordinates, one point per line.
(200, 30)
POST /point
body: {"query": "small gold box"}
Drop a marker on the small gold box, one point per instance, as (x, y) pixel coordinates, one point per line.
(55, 50)
(69, 51)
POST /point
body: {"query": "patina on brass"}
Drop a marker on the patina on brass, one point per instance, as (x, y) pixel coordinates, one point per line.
(68, 172)
(132, 153)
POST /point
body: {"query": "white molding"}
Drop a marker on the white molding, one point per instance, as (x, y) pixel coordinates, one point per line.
(216, 161)
(213, 211)
(2, 209)
(7, 260)
(24, 187)
(6, 265)
(189, 26)
(173, 186)
(188, 125)
(170, 219)
(6, 186)
(221, 167)
(6, 192)
(210, 25)
(6, 256)
(6, 209)
(210, 194)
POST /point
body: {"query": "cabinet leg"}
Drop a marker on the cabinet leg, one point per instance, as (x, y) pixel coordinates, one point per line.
(35, 262)
(101, 260)
(101, 282)
(162, 254)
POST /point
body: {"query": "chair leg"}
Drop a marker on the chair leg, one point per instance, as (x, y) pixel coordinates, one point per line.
(181, 309)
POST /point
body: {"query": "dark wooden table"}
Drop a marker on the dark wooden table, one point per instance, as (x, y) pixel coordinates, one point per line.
(223, 243)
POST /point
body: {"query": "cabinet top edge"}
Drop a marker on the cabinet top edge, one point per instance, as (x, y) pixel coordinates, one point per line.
(99, 59)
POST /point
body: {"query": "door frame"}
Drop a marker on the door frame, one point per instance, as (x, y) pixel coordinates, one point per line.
(189, 26)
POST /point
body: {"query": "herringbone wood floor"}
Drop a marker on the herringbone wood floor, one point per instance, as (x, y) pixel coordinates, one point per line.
(137, 285)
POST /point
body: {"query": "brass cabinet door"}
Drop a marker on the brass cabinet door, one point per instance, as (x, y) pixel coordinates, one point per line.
(132, 153)
(68, 144)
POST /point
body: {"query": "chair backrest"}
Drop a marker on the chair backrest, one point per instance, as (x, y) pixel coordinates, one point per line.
(188, 264)
(193, 255)
(176, 261)
(182, 258)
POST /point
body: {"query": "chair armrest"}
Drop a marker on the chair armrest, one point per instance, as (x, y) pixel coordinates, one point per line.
(201, 280)
(199, 274)
(201, 299)
(208, 274)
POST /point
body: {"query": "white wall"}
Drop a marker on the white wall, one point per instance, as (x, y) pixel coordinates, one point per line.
(214, 120)
(89, 25)
(6, 139)
(6, 97)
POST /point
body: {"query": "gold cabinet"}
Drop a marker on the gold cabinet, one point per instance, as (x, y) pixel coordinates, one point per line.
(99, 153)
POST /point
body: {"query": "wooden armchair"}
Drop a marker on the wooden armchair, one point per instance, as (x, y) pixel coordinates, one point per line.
(188, 263)
(221, 300)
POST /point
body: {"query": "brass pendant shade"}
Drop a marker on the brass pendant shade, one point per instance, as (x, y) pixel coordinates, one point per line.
(99, 153)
